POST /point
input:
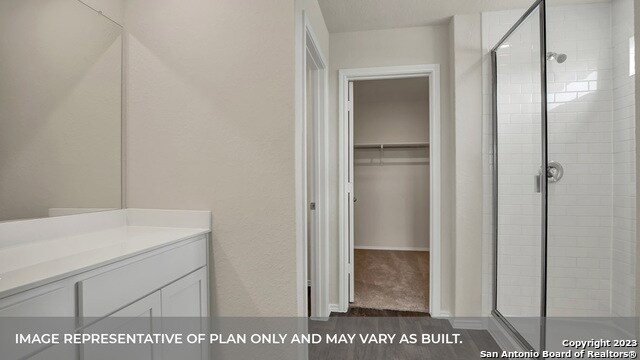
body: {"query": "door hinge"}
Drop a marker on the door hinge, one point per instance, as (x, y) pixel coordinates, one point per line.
(349, 105)
(312, 206)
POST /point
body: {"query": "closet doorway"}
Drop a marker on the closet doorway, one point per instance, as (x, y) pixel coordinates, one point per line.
(391, 183)
(387, 227)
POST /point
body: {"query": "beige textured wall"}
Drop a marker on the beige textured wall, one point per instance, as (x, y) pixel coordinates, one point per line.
(637, 36)
(60, 105)
(113, 9)
(211, 126)
(467, 73)
(393, 199)
(408, 46)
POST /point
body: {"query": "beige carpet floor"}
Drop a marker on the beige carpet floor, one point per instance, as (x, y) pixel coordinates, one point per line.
(392, 280)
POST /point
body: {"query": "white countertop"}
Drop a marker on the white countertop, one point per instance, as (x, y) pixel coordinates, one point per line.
(27, 264)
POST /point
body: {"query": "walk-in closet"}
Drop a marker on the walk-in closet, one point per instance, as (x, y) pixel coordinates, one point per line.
(391, 181)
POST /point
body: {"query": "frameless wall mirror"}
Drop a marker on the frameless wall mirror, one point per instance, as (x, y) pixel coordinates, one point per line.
(60, 109)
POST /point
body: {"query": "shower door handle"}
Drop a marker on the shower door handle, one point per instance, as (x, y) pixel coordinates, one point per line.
(555, 172)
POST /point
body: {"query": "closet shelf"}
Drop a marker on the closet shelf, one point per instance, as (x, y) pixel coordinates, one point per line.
(383, 146)
(393, 145)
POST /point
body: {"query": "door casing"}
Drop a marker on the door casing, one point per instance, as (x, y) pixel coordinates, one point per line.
(309, 52)
(345, 236)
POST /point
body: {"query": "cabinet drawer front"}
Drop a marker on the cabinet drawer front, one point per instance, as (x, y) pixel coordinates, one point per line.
(103, 294)
(47, 301)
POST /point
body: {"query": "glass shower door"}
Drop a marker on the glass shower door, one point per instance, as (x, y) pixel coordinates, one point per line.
(519, 153)
(564, 186)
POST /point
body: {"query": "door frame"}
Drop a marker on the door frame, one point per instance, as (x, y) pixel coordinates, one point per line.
(432, 72)
(308, 50)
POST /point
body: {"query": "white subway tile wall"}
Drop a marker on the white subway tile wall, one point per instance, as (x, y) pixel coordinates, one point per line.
(591, 132)
(624, 170)
(580, 125)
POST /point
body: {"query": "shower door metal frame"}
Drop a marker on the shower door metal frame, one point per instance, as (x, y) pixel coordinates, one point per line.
(541, 5)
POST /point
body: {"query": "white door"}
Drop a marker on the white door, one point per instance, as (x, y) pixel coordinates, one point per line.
(312, 199)
(351, 198)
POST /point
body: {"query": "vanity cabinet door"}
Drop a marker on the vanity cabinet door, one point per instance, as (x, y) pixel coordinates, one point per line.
(48, 309)
(184, 310)
(141, 317)
(186, 297)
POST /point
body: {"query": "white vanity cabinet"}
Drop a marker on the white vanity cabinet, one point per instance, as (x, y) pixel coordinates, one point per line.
(106, 292)
(185, 300)
(54, 300)
(143, 316)
(49, 301)
(164, 282)
(186, 297)
(55, 353)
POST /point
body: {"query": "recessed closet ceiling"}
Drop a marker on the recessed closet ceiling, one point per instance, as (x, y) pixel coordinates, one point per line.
(359, 15)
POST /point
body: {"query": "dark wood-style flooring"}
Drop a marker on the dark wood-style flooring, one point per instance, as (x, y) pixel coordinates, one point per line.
(362, 312)
(368, 321)
(358, 320)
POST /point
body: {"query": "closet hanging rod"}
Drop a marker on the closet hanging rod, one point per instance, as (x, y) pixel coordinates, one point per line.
(392, 145)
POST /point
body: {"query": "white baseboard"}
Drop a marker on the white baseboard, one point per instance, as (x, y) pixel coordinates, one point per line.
(391, 248)
(440, 315)
(468, 324)
(334, 308)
